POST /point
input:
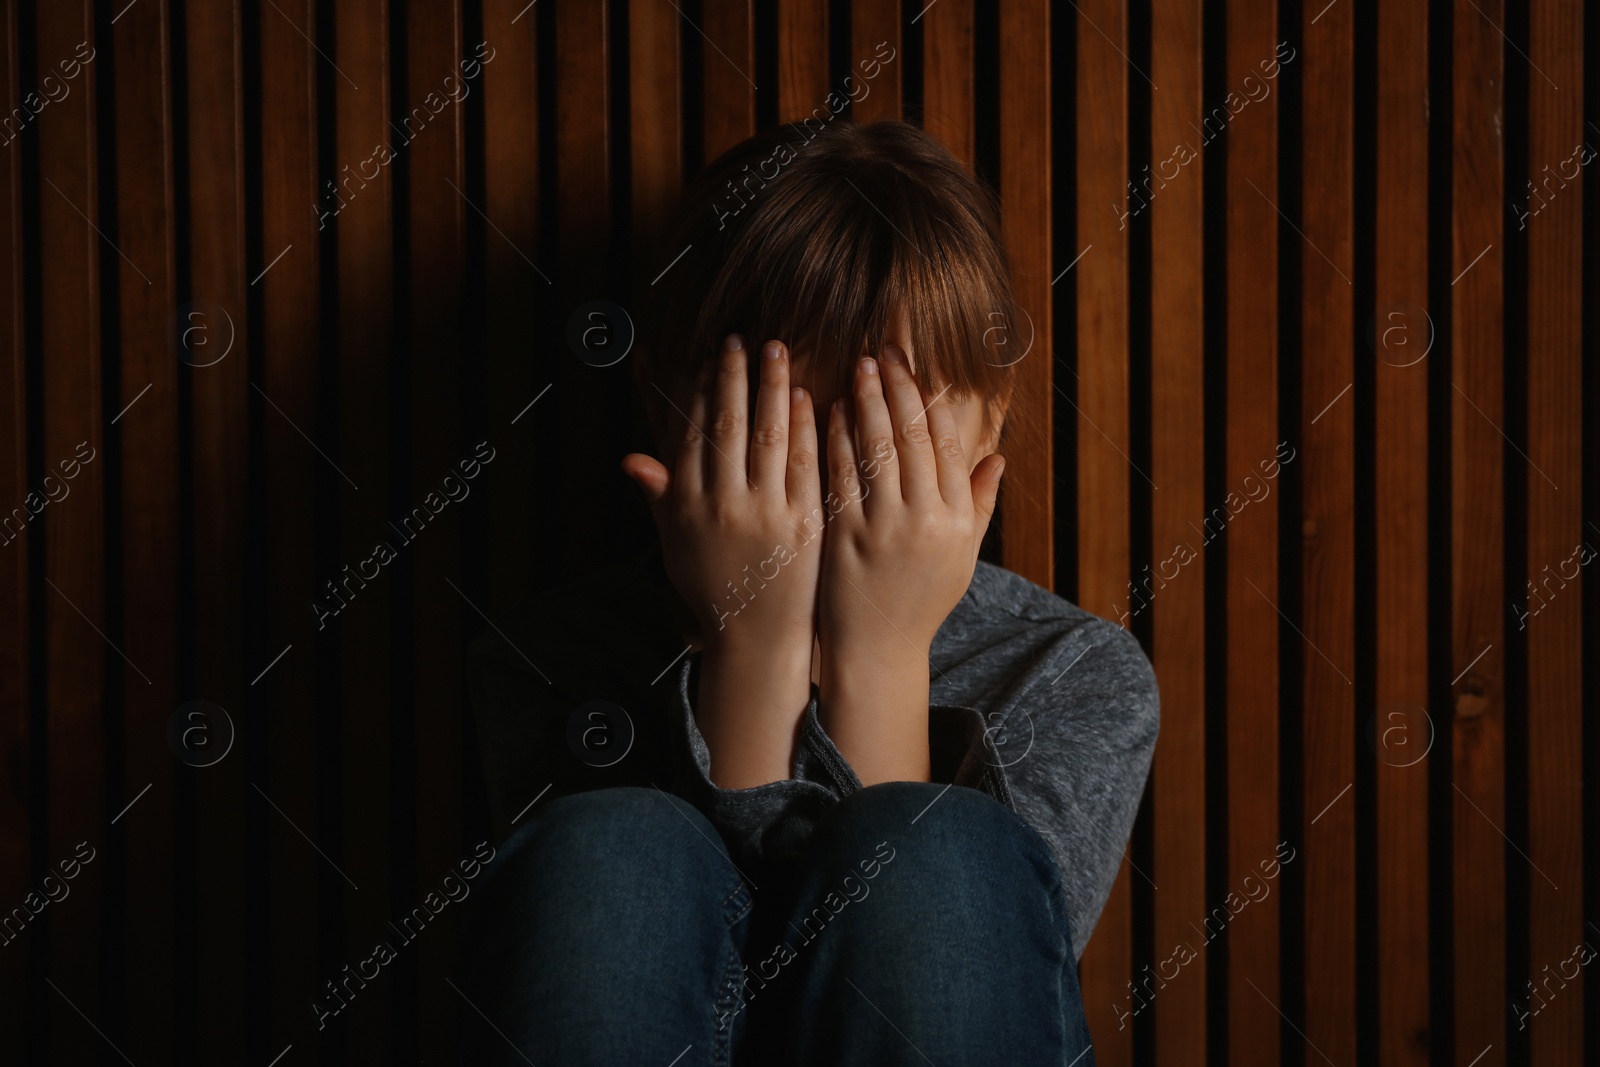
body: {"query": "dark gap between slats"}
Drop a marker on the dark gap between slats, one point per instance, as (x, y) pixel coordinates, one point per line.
(114, 695)
(617, 513)
(548, 340)
(1514, 367)
(1141, 549)
(986, 166)
(26, 52)
(912, 92)
(186, 981)
(766, 72)
(1214, 82)
(1292, 427)
(255, 743)
(1364, 54)
(1441, 801)
(839, 59)
(474, 414)
(402, 641)
(691, 60)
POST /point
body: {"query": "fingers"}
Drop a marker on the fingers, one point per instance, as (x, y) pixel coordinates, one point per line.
(802, 484)
(729, 417)
(918, 471)
(874, 437)
(843, 481)
(649, 474)
(985, 488)
(949, 456)
(689, 477)
(769, 436)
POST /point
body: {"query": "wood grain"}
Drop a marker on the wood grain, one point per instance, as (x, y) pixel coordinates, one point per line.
(221, 402)
(1327, 529)
(871, 23)
(730, 76)
(69, 533)
(1250, 542)
(1402, 723)
(1557, 538)
(948, 77)
(1028, 491)
(1178, 435)
(1103, 427)
(1477, 551)
(146, 431)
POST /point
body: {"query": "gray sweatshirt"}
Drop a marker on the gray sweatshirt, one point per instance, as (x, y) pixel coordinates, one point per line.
(1048, 709)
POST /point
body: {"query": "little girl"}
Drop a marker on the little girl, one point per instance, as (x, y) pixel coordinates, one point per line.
(809, 782)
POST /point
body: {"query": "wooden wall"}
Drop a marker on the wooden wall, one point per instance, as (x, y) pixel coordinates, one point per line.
(1314, 381)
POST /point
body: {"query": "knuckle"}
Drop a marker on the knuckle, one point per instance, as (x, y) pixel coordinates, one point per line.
(950, 446)
(915, 433)
(727, 423)
(802, 459)
(691, 434)
(768, 436)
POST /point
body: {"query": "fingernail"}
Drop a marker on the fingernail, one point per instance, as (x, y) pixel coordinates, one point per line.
(869, 364)
(771, 350)
(796, 395)
(732, 343)
(892, 354)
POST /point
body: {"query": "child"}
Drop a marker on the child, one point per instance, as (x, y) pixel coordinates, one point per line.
(872, 809)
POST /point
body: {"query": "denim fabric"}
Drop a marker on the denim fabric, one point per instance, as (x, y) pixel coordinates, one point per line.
(1047, 709)
(912, 923)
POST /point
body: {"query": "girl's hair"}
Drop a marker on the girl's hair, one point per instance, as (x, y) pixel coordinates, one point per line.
(816, 238)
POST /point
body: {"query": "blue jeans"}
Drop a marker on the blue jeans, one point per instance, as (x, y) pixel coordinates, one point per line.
(613, 928)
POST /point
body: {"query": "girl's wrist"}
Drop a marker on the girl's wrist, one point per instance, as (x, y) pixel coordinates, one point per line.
(873, 704)
(749, 704)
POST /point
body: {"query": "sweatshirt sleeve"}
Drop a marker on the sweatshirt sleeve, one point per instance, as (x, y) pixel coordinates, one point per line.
(766, 818)
(778, 815)
(1074, 743)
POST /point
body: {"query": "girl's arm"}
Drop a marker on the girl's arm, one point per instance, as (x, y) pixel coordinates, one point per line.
(732, 519)
(897, 560)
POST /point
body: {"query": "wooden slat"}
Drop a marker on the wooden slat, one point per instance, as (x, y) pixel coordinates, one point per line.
(1177, 378)
(1327, 553)
(16, 703)
(220, 404)
(436, 293)
(655, 127)
(1028, 490)
(729, 72)
(287, 394)
(1402, 725)
(1555, 530)
(1251, 540)
(69, 533)
(873, 22)
(1102, 428)
(948, 77)
(802, 57)
(1477, 478)
(147, 434)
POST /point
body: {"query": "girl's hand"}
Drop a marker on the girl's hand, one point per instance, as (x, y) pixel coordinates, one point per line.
(895, 563)
(740, 521)
(733, 517)
(898, 559)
